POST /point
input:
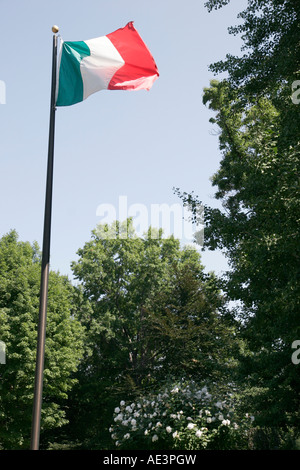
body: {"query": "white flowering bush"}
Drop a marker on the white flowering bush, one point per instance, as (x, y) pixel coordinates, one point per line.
(182, 416)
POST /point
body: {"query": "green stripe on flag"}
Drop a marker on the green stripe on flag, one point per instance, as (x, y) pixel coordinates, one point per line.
(70, 85)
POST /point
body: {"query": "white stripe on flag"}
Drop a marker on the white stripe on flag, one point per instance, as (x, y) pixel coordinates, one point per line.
(98, 69)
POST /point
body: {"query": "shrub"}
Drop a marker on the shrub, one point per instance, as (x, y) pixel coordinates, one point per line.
(183, 416)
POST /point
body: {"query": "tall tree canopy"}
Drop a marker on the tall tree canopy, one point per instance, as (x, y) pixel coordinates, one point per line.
(19, 309)
(153, 313)
(270, 30)
(259, 188)
(258, 230)
(270, 63)
(258, 185)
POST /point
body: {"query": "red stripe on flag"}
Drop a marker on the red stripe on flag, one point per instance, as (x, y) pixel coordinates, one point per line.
(139, 62)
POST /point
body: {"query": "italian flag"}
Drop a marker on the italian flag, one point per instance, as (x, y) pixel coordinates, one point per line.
(118, 61)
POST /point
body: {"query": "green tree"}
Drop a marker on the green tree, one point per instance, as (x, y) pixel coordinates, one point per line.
(269, 66)
(270, 32)
(152, 312)
(258, 184)
(192, 332)
(19, 305)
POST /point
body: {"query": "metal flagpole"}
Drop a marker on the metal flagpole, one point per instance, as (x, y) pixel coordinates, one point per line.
(39, 372)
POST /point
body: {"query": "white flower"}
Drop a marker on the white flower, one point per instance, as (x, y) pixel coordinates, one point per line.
(191, 425)
(226, 422)
(136, 414)
(132, 405)
(133, 422)
(175, 390)
(146, 432)
(128, 408)
(127, 436)
(169, 429)
(155, 438)
(122, 403)
(117, 443)
(219, 405)
(158, 424)
(117, 410)
(221, 417)
(119, 417)
(114, 436)
(175, 434)
(199, 433)
(208, 420)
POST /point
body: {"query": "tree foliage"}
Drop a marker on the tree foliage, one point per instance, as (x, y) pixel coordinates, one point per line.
(270, 31)
(19, 306)
(153, 313)
(258, 185)
(258, 230)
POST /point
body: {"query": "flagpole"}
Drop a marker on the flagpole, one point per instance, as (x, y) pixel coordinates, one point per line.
(39, 371)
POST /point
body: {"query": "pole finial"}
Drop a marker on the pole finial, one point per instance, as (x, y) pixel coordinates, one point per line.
(55, 29)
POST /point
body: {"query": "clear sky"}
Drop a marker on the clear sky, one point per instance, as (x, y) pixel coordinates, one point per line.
(116, 143)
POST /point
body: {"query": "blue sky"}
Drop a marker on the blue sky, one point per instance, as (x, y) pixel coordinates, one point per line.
(134, 144)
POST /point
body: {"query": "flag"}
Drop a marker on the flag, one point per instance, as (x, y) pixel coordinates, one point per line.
(117, 61)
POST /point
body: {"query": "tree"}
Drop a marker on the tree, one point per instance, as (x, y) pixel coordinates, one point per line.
(270, 64)
(191, 329)
(270, 31)
(154, 313)
(19, 305)
(258, 184)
